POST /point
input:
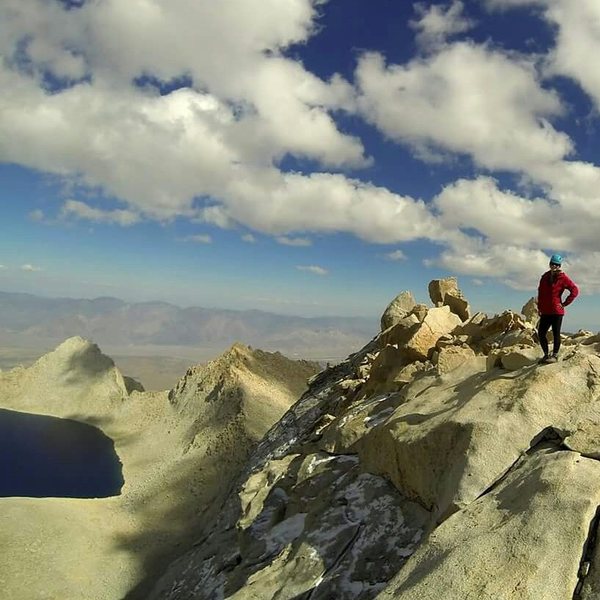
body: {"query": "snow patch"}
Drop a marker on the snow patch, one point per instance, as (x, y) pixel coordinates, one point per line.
(285, 532)
(379, 418)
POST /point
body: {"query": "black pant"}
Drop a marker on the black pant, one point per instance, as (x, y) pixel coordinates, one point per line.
(547, 321)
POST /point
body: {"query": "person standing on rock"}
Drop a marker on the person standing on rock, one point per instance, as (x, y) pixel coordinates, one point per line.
(551, 305)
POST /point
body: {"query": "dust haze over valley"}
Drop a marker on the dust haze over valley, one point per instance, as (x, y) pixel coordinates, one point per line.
(155, 342)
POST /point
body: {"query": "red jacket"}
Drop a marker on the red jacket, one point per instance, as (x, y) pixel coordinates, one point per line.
(550, 292)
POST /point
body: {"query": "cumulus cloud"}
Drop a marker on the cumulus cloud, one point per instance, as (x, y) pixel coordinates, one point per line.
(249, 238)
(396, 255)
(436, 23)
(565, 219)
(276, 203)
(517, 267)
(200, 238)
(507, 236)
(584, 268)
(293, 241)
(577, 38)
(30, 268)
(37, 215)
(90, 95)
(313, 269)
(465, 99)
(244, 105)
(80, 210)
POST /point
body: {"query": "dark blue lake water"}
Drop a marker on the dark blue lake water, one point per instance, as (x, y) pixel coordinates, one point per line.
(49, 457)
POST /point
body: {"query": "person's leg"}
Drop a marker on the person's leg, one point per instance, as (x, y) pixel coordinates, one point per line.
(543, 326)
(556, 325)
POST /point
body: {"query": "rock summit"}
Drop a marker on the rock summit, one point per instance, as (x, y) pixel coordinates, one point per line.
(439, 461)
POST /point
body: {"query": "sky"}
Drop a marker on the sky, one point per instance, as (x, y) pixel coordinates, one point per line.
(304, 157)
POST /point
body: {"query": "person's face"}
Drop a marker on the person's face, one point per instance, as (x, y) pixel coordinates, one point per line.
(554, 267)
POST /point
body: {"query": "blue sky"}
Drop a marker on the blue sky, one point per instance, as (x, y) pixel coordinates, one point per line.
(299, 156)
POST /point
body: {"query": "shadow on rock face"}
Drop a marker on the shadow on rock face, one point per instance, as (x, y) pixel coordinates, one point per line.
(85, 364)
(314, 525)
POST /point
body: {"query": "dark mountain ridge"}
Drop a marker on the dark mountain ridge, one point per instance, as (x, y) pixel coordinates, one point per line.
(114, 321)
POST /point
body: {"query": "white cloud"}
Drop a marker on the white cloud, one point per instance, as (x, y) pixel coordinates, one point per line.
(438, 22)
(497, 215)
(210, 151)
(465, 99)
(500, 234)
(478, 282)
(565, 220)
(82, 211)
(584, 269)
(519, 268)
(277, 203)
(293, 241)
(246, 108)
(30, 268)
(37, 215)
(577, 39)
(396, 255)
(249, 238)
(2, 267)
(200, 238)
(313, 269)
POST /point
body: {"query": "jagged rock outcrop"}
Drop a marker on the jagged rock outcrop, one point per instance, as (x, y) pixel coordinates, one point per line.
(417, 340)
(487, 459)
(530, 311)
(180, 451)
(445, 292)
(74, 378)
(397, 309)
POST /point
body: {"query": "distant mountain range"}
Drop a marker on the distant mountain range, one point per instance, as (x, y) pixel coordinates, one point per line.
(116, 322)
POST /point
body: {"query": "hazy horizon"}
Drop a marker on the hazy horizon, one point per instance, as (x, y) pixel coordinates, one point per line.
(282, 156)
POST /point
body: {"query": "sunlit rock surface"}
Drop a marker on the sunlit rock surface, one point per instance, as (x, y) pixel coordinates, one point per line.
(438, 463)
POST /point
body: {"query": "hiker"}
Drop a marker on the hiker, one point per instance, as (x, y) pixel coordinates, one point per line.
(551, 306)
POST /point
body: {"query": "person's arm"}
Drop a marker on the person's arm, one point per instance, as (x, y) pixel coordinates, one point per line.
(573, 291)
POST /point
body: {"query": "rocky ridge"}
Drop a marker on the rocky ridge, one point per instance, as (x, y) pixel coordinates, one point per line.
(180, 451)
(439, 461)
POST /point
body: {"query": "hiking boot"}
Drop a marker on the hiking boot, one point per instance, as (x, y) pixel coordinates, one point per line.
(544, 360)
(552, 359)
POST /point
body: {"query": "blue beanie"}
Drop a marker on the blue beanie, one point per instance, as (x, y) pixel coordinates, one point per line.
(556, 259)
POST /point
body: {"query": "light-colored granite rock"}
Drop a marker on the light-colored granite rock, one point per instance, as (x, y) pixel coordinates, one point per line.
(418, 482)
(530, 311)
(516, 357)
(445, 292)
(397, 309)
(451, 357)
(523, 337)
(459, 306)
(512, 358)
(451, 438)
(439, 288)
(523, 540)
(328, 540)
(423, 338)
(302, 521)
(420, 311)
(389, 362)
